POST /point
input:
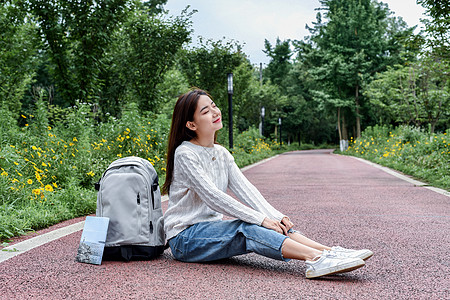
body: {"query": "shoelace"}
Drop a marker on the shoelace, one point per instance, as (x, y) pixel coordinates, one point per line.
(330, 253)
(338, 248)
(326, 253)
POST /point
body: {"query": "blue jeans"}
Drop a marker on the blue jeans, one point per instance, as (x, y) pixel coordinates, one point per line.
(209, 241)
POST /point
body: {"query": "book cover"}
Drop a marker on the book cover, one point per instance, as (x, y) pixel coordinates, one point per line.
(93, 240)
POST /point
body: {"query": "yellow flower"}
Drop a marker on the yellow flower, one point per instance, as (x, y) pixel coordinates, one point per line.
(49, 188)
(43, 164)
(55, 185)
(29, 181)
(36, 191)
(75, 139)
(23, 116)
(16, 163)
(4, 173)
(49, 128)
(90, 173)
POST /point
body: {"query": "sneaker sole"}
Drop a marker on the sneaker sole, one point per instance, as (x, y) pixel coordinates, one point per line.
(363, 257)
(367, 255)
(337, 269)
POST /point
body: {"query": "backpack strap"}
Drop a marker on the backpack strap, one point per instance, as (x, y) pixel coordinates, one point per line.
(126, 252)
(97, 185)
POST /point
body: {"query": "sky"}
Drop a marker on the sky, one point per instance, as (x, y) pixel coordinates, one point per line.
(250, 22)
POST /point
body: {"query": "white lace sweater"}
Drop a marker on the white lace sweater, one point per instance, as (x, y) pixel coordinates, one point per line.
(198, 190)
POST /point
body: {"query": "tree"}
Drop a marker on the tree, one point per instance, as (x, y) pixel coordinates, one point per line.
(19, 43)
(347, 50)
(207, 66)
(437, 27)
(154, 6)
(76, 35)
(144, 49)
(279, 64)
(313, 101)
(416, 94)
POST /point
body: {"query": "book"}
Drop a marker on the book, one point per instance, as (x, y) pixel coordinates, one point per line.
(93, 238)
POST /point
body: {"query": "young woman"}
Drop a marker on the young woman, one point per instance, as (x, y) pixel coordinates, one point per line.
(199, 171)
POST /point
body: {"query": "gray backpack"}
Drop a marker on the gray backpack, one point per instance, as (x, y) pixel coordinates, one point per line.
(129, 195)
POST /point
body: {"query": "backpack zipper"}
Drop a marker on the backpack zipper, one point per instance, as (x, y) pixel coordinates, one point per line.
(138, 208)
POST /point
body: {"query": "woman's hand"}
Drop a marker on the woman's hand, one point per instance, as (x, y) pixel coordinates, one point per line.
(274, 225)
(287, 223)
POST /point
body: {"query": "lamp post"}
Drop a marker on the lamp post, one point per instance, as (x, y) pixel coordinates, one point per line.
(279, 123)
(263, 113)
(230, 109)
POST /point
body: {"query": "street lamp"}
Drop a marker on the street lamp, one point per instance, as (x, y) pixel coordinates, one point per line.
(263, 113)
(230, 109)
(279, 123)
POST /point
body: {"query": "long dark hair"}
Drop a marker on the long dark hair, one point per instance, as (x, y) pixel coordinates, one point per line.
(182, 113)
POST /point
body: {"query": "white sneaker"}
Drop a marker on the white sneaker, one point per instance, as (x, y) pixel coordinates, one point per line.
(331, 263)
(364, 254)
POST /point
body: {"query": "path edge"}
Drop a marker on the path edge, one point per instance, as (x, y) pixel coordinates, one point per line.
(400, 175)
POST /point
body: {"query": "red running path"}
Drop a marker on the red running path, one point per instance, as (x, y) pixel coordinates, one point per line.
(336, 200)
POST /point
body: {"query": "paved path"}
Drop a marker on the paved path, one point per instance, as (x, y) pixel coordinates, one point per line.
(333, 199)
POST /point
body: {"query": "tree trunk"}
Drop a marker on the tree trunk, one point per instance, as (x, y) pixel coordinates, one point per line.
(276, 133)
(358, 119)
(339, 123)
(344, 128)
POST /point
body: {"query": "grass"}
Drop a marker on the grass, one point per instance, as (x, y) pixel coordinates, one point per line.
(410, 150)
(47, 172)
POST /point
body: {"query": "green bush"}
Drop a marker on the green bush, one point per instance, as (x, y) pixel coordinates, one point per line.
(249, 148)
(47, 173)
(408, 149)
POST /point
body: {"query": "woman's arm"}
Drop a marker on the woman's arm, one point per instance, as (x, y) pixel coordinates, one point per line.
(197, 179)
(249, 194)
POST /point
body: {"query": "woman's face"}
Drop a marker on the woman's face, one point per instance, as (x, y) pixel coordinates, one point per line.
(207, 117)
